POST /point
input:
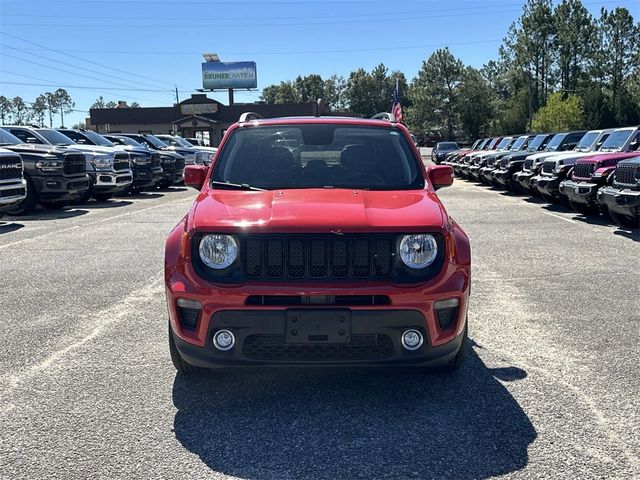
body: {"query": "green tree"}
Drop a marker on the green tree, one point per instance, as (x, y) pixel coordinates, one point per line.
(309, 88)
(64, 103)
(620, 55)
(20, 111)
(99, 103)
(52, 105)
(358, 92)
(39, 108)
(110, 104)
(574, 42)
(5, 109)
(285, 92)
(559, 114)
(475, 107)
(135, 105)
(433, 94)
(334, 92)
(79, 125)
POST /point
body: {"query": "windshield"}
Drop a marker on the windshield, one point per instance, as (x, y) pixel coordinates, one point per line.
(616, 140)
(319, 156)
(493, 142)
(129, 141)
(518, 143)
(98, 139)
(503, 143)
(447, 146)
(536, 143)
(555, 142)
(54, 137)
(585, 143)
(7, 139)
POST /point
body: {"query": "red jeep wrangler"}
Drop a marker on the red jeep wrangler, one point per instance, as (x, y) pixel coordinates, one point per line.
(317, 240)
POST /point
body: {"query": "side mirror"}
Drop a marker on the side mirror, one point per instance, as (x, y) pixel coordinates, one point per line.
(440, 176)
(194, 176)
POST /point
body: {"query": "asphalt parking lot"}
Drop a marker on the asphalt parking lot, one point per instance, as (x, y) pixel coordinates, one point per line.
(549, 389)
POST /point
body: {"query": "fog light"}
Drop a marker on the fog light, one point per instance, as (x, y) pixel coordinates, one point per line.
(446, 312)
(412, 339)
(224, 340)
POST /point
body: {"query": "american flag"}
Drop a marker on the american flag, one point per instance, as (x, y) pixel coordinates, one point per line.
(396, 109)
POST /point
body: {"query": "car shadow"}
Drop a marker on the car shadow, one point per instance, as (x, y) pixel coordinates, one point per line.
(106, 204)
(44, 214)
(141, 195)
(9, 227)
(633, 234)
(263, 424)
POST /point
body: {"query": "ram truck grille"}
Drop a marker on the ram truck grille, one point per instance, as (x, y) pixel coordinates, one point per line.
(121, 162)
(10, 167)
(155, 160)
(74, 164)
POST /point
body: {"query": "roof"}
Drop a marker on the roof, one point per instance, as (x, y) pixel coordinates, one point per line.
(323, 120)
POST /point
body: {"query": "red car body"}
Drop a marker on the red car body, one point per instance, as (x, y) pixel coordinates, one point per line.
(334, 212)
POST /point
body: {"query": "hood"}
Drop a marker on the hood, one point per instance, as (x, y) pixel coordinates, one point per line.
(542, 156)
(133, 149)
(40, 149)
(170, 153)
(317, 210)
(95, 149)
(605, 157)
(631, 161)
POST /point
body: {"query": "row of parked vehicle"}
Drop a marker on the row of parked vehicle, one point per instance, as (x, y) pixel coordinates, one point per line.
(59, 167)
(595, 172)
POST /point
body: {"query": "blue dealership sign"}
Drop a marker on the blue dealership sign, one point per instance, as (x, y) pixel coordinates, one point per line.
(222, 75)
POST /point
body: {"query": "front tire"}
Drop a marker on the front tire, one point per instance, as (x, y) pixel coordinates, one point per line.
(456, 362)
(583, 209)
(29, 203)
(181, 365)
(624, 221)
(53, 205)
(102, 197)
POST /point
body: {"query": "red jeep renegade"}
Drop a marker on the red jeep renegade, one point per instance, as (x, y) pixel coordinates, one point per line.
(317, 240)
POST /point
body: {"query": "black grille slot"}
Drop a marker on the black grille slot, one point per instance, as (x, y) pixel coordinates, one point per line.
(155, 160)
(10, 167)
(360, 348)
(583, 170)
(548, 166)
(74, 164)
(12, 192)
(528, 163)
(626, 174)
(318, 256)
(315, 300)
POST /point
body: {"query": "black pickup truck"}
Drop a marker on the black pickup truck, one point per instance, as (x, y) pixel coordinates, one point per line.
(172, 162)
(55, 176)
(12, 185)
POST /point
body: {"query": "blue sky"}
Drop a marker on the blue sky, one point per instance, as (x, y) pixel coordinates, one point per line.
(138, 50)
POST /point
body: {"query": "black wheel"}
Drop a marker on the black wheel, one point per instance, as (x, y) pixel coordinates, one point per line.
(54, 205)
(583, 209)
(514, 187)
(548, 198)
(102, 197)
(624, 221)
(182, 366)
(29, 203)
(456, 362)
(85, 195)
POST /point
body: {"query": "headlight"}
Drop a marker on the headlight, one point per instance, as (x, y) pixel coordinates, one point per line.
(102, 162)
(418, 251)
(167, 159)
(218, 251)
(49, 164)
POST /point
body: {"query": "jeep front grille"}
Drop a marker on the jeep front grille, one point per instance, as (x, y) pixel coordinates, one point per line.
(549, 166)
(583, 170)
(626, 174)
(360, 348)
(74, 164)
(318, 256)
(528, 163)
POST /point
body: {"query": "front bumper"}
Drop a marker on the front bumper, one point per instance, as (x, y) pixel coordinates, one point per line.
(624, 202)
(524, 178)
(147, 177)
(474, 172)
(261, 339)
(171, 176)
(111, 181)
(548, 185)
(60, 188)
(486, 173)
(584, 193)
(12, 193)
(501, 176)
(374, 329)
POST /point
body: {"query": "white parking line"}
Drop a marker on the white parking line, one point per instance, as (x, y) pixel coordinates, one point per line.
(560, 217)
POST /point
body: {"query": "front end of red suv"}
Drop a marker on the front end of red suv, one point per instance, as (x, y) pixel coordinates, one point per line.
(330, 276)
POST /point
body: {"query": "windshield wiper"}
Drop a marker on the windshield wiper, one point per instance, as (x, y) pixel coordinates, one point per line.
(237, 186)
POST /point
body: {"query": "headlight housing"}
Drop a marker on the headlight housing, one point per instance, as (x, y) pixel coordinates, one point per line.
(140, 160)
(102, 162)
(166, 159)
(218, 251)
(418, 250)
(49, 164)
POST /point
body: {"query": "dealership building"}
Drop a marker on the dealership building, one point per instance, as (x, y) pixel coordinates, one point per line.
(198, 116)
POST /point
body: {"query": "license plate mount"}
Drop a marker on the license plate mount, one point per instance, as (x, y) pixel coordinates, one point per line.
(318, 326)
